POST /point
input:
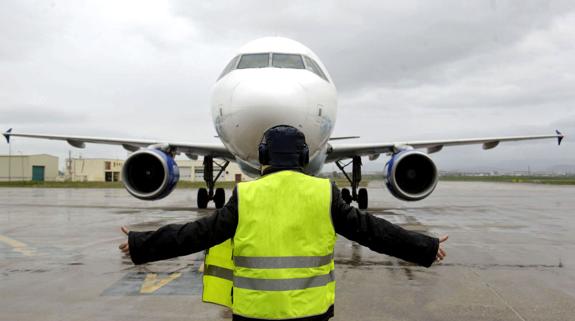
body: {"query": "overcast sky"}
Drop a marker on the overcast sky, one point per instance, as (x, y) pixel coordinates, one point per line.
(405, 70)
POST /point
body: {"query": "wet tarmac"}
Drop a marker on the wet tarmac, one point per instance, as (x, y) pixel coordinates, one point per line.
(511, 256)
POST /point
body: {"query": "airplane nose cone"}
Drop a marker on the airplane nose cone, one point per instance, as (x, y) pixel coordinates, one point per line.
(268, 96)
(263, 102)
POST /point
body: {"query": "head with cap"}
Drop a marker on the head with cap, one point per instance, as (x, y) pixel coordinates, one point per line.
(283, 146)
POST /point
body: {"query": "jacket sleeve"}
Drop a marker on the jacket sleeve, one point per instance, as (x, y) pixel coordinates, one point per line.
(380, 235)
(182, 239)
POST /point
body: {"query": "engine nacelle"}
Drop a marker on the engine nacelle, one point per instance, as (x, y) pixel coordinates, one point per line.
(410, 175)
(150, 174)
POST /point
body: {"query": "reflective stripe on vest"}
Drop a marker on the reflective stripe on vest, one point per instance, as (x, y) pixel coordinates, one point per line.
(283, 247)
(218, 274)
(283, 284)
(282, 262)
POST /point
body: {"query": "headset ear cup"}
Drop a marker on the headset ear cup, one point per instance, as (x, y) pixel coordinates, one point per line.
(263, 154)
(304, 156)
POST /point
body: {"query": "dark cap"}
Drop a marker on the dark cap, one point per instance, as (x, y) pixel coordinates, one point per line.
(283, 146)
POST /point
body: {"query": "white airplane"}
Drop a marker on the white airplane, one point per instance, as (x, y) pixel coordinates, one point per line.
(273, 81)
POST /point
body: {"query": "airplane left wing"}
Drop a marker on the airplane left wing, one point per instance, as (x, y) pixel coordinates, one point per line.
(192, 150)
(339, 152)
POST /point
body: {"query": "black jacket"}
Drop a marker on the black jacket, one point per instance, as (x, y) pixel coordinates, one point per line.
(376, 233)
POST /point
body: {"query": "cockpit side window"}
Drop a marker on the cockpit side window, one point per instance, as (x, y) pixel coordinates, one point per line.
(312, 66)
(287, 61)
(260, 60)
(231, 66)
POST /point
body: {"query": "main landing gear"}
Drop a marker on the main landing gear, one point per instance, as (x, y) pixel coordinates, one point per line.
(206, 195)
(360, 196)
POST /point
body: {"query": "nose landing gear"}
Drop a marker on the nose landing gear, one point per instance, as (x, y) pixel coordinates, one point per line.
(206, 195)
(359, 195)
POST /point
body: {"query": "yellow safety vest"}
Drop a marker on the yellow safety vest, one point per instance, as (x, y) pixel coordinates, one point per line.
(218, 274)
(283, 247)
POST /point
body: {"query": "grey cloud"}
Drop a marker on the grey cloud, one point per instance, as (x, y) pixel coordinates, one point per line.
(566, 120)
(27, 25)
(41, 115)
(405, 70)
(367, 42)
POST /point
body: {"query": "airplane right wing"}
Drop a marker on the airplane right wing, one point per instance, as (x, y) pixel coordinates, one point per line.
(373, 150)
(410, 175)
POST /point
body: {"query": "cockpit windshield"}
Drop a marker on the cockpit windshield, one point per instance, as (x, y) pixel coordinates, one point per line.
(287, 61)
(260, 60)
(278, 60)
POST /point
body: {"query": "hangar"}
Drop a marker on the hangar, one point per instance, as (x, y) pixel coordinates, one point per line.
(40, 167)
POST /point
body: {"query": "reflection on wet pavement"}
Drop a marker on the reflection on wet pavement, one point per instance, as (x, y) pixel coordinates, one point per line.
(511, 255)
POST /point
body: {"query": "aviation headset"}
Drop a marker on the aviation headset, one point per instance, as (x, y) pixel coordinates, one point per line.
(286, 140)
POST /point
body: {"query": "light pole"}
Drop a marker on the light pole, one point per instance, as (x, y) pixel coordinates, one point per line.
(9, 162)
(21, 165)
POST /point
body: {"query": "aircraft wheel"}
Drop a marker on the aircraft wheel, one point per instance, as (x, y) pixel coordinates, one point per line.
(203, 198)
(220, 197)
(346, 195)
(362, 199)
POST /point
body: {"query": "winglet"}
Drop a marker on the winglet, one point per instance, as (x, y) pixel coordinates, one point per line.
(559, 137)
(7, 135)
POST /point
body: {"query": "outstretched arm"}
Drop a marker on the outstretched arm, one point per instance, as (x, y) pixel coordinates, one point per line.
(382, 236)
(182, 239)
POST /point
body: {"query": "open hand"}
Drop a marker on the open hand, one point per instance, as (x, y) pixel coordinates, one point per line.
(125, 247)
(441, 254)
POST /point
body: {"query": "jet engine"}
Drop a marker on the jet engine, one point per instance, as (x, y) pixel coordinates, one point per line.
(150, 174)
(410, 175)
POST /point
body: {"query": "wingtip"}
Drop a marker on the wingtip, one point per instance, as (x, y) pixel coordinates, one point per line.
(560, 137)
(7, 135)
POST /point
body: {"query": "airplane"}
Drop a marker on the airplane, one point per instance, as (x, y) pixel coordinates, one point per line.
(277, 81)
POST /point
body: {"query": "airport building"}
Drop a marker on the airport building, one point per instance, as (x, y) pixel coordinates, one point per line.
(193, 170)
(93, 170)
(109, 170)
(39, 168)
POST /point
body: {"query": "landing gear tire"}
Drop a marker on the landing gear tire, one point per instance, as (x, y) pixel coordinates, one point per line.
(362, 199)
(360, 196)
(346, 195)
(203, 198)
(220, 197)
(206, 195)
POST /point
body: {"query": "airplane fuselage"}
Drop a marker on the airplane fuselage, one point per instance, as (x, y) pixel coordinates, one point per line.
(253, 95)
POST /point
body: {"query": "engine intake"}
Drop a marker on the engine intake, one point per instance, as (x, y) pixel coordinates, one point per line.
(150, 174)
(410, 175)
